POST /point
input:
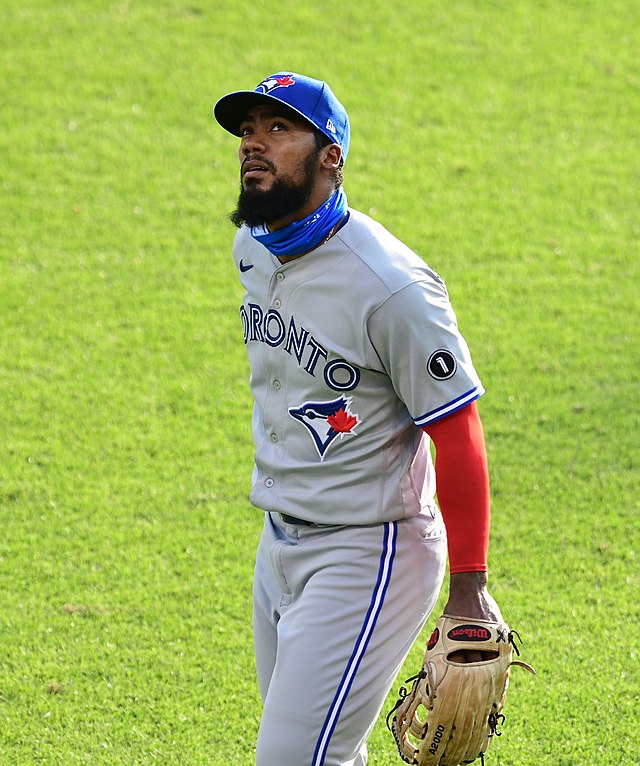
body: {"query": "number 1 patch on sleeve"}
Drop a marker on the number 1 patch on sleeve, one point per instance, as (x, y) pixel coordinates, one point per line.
(442, 364)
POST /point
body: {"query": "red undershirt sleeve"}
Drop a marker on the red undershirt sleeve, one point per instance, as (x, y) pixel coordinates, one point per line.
(462, 478)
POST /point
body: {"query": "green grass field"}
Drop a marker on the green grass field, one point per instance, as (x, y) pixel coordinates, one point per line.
(499, 140)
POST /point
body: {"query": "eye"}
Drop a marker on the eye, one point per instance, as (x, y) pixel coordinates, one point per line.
(278, 126)
(245, 130)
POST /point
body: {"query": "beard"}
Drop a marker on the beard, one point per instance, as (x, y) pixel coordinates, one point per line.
(256, 207)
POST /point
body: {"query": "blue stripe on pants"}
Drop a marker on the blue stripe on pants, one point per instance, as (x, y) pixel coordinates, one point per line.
(375, 607)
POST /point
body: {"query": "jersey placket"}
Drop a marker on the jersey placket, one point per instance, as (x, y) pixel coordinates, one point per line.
(275, 376)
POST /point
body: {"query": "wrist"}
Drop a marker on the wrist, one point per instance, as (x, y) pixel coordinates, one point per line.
(468, 581)
(469, 597)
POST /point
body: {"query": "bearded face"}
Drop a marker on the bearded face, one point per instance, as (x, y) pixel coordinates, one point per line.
(259, 206)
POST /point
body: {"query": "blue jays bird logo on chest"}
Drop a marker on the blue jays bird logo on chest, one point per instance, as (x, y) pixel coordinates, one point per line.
(326, 421)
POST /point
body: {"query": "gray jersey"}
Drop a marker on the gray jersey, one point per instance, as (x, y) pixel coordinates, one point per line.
(351, 347)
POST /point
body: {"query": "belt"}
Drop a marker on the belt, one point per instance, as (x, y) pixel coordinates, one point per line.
(295, 521)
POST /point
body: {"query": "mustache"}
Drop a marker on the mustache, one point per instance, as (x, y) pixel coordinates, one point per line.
(262, 160)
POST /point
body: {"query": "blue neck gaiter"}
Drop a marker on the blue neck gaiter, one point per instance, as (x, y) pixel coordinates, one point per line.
(301, 236)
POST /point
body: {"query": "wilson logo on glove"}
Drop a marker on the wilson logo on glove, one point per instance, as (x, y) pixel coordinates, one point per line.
(469, 633)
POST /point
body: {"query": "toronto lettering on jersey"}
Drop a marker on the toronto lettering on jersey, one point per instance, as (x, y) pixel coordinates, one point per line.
(310, 354)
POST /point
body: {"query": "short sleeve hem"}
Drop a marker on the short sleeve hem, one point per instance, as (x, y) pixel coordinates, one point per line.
(446, 409)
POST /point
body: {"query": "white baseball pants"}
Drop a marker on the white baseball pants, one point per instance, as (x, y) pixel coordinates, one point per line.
(336, 610)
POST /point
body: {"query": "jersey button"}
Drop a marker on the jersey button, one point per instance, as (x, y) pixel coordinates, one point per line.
(269, 483)
(277, 303)
(274, 438)
(277, 385)
(279, 276)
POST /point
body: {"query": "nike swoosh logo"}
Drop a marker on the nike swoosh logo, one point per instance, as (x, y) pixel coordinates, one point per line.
(245, 266)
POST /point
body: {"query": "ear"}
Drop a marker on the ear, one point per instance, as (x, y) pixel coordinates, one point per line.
(331, 157)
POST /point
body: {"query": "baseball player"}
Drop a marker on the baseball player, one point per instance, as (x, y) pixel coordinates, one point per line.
(357, 365)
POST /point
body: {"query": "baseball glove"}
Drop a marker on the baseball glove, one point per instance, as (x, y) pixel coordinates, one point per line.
(453, 709)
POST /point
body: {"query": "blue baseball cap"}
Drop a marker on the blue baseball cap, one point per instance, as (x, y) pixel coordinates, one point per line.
(312, 99)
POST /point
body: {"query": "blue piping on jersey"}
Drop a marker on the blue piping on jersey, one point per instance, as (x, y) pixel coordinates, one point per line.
(375, 607)
(446, 409)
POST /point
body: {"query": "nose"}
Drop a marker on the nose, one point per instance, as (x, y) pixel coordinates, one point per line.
(253, 143)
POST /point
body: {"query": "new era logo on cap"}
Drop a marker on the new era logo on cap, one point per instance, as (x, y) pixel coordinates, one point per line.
(331, 126)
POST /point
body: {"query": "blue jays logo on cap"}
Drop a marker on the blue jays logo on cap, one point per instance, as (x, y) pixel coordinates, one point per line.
(326, 421)
(271, 83)
(312, 99)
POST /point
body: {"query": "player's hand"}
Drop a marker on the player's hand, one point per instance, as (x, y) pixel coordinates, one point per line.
(469, 597)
